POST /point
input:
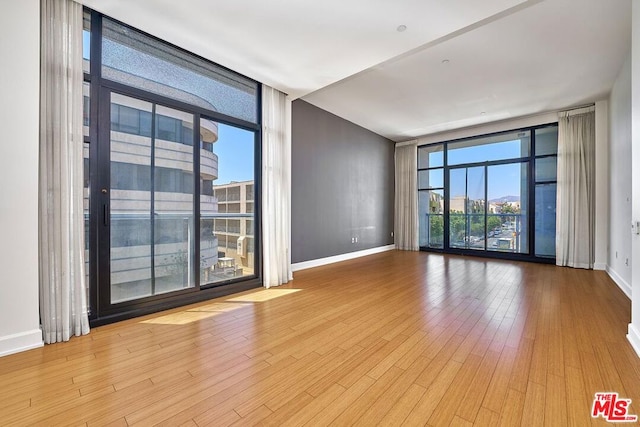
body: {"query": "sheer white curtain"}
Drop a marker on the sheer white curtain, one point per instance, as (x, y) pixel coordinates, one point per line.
(63, 306)
(406, 198)
(575, 206)
(276, 187)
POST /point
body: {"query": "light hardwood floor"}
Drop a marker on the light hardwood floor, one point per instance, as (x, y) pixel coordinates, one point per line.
(397, 338)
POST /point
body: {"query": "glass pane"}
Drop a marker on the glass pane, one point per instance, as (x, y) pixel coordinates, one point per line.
(457, 207)
(430, 156)
(545, 214)
(546, 169)
(506, 218)
(86, 42)
(151, 202)
(135, 59)
(476, 202)
(173, 202)
(208, 203)
(431, 208)
(547, 141)
(433, 178)
(467, 208)
(226, 203)
(131, 251)
(86, 105)
(497, 147)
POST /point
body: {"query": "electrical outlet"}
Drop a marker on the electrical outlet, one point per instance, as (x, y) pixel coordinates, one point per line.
(616, 254)
(626, 261)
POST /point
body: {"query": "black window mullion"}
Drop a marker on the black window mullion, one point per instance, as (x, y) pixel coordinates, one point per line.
(96, 197)
(445, 218)
(257, 192)
(531, 211)
(466, 207)
(196, 200)
(152, 196)
(486, 203)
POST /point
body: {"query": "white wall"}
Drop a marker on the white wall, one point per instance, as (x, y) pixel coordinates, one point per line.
(19, 117)
(602, 185)
(619, 203)
(634, 326)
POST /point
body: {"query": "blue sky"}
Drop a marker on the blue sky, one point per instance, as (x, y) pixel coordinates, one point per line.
(86, 44)
(235, 154)
(503, 180)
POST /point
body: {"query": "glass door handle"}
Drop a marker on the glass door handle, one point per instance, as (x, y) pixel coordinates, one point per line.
(105, 212)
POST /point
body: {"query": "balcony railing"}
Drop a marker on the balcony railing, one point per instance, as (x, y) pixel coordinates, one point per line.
(501, 232)
(131, 252)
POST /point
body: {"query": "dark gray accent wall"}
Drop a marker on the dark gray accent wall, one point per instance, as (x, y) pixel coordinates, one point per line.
(342, 185)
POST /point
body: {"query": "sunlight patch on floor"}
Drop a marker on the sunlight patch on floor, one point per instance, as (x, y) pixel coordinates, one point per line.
(263, 295)
(218, 306)
(182, 317)
(207, 311)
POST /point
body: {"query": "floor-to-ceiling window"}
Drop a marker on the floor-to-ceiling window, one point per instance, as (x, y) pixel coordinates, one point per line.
(492, 194)
(172, 145)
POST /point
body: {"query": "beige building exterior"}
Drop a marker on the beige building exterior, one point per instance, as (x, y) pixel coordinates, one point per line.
(234, 226)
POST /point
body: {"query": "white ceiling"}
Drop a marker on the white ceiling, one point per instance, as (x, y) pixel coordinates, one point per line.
(507, 58)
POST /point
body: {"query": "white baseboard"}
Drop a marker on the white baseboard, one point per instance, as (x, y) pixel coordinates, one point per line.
(20, 342)
(600, 266)
(622, 284)
(337, 258)
(634, 338)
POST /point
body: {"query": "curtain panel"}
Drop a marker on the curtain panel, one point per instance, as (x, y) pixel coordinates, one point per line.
(575, 214)
(63, 298)
(406, 197)
(276, 187)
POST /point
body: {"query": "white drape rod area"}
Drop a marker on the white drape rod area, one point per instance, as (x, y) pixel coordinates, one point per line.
(276, 187)
(406, 197)
(63, 303)
(575, 204)
(577, 111)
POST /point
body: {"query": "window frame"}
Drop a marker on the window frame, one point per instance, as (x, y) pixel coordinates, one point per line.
(100, 311)
(530, 162)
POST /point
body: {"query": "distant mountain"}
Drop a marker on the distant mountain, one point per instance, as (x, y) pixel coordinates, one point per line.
(506, 199)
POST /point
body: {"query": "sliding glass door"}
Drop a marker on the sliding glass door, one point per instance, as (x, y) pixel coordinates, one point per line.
(507, 219)
(154, 185)
(151, 203)
(172, 165)
(487, 208)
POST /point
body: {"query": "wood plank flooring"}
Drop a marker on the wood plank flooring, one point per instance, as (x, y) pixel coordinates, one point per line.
(397, 338)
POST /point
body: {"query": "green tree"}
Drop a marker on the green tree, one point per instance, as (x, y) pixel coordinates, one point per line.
(477, 225)
(493, 221)
(508, 208)
(457, 225)
(436, 229)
